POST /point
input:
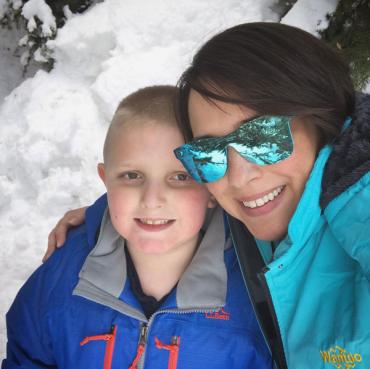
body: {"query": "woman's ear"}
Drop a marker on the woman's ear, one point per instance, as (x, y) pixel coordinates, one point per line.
(212, 202)
(101, 171)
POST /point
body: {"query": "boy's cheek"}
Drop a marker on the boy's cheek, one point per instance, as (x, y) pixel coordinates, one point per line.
(119, 203)
(196, 199)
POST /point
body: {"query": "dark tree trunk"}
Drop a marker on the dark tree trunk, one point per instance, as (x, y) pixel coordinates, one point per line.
(281, 7)
(349, 32)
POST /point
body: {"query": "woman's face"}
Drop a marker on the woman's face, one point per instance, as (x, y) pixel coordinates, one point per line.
(264, 198)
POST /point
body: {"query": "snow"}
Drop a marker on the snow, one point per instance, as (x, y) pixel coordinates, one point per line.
(310, 15)
(53, 124)
(39, 9)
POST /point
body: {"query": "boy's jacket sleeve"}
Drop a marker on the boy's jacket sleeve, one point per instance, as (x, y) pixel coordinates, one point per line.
(29, 323)
(29, 345)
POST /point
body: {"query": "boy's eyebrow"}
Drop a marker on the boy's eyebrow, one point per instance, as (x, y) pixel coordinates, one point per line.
(124, 166)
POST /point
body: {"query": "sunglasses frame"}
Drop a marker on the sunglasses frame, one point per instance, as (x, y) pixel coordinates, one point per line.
(186, 153)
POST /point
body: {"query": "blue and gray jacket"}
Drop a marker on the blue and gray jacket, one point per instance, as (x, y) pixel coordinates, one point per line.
(312, 295)
(78, 311)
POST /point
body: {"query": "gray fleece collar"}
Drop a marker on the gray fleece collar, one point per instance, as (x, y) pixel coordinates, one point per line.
(203, 284)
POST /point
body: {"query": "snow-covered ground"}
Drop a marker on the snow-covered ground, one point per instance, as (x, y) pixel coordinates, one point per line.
(52, 125)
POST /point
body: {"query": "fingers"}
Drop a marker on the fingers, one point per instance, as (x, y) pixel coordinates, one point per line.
(60, 232)
(51, 245)
(73, 217)
(57, 236)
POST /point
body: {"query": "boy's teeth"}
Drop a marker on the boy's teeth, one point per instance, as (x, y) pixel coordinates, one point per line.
(263, 200)
(154, 222)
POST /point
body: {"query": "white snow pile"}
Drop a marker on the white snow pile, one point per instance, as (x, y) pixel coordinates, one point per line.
(53, 125)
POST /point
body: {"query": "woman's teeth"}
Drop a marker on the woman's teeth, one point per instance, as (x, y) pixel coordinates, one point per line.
(154, 221)
(263, 200)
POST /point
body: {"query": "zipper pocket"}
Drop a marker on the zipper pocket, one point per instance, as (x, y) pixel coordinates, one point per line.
(173, 348)
(109, 347)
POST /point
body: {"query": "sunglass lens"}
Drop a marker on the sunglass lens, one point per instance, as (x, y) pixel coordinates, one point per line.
(211, 166)
(264, 140)
(203, 165)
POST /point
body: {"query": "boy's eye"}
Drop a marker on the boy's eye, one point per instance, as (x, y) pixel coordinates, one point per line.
(181, 177)
(130, 175)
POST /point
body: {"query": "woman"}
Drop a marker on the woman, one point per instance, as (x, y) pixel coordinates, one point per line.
(280, 139)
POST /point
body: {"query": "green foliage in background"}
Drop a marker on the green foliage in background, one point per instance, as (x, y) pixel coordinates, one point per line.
(34, 41)
(349, 32)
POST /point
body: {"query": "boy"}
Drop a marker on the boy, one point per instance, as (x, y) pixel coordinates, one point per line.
(146, 281)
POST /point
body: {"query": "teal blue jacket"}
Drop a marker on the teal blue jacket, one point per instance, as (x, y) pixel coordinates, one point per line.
(318, 279)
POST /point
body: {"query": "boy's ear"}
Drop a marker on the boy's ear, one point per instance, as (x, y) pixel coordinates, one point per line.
(212, 202)
(101, 172)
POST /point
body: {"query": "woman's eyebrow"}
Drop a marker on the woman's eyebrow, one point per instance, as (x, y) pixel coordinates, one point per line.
(203, 137)
(236, 125)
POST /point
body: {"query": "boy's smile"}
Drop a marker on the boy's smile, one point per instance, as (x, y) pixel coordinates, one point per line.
(153, 202)
(154, 225)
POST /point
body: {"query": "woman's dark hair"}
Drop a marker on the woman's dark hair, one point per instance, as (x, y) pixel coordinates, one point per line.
(273, 69)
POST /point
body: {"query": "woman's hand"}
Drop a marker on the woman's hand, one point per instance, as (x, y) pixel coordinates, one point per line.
(57, 236)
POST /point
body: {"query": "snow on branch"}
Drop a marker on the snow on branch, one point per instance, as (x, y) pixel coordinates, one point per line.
(40, 20)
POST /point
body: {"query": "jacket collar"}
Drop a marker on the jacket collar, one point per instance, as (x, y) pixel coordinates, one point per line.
(203, 285)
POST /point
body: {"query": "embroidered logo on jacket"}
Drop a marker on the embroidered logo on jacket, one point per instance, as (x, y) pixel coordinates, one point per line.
(220, 314)
(340, 358)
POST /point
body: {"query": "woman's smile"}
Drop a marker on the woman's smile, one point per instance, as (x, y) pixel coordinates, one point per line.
(264, 203)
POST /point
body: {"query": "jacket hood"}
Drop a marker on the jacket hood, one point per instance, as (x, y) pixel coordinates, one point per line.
(350, 158)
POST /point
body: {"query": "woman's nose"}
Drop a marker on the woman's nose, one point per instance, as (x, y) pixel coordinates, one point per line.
(153, 196)
(240, 171)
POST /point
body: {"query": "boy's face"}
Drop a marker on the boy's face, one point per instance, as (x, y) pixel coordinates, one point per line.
(153, 202)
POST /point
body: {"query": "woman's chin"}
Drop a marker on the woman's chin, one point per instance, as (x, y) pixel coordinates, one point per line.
(266, 231)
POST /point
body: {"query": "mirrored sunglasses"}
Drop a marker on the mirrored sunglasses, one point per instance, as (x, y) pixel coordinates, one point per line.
(263, 140)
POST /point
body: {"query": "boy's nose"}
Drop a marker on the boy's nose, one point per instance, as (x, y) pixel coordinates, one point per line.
(153, 196)
(240, 171)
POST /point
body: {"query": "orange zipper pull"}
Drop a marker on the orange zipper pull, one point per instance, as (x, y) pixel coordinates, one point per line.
(173, 348)
(140, 347)
(109, 348)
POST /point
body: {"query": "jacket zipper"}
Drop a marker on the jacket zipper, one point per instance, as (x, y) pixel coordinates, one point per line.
(251, 264)
(140, 348)
(175, 340)
(109, 348)
(281, 354)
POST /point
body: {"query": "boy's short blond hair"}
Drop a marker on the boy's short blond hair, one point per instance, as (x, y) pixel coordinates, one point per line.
(154, 103)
